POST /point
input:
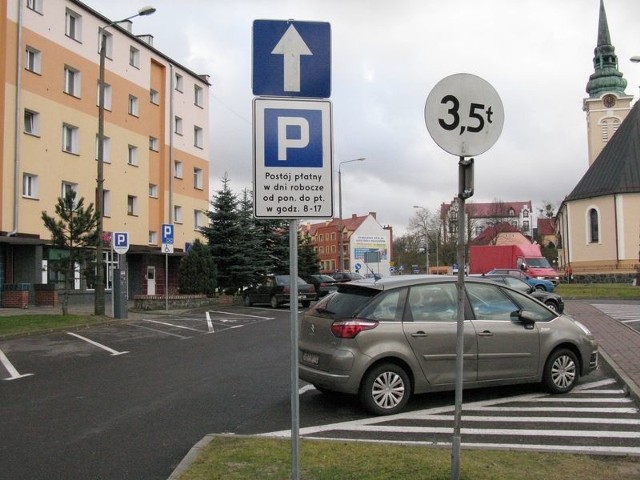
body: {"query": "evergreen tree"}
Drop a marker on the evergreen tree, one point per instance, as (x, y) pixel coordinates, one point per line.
(254, 259)
(197, 271)
(224, 235)
(273, 235)
(73, 230)
(308, 261)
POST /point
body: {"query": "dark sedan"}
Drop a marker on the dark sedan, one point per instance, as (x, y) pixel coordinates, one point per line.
(276, 290)
(324, 284)
(551, 300)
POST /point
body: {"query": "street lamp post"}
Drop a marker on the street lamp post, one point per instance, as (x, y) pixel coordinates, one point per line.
(340, 208)
(426, 237)
(99, 301)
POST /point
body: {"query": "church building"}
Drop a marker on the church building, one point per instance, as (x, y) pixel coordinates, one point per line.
(598, 223)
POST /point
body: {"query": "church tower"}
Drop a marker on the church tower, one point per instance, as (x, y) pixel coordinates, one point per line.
(608, 104)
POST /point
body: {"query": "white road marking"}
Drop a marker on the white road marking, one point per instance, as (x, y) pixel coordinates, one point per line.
(157, 330)
(99, 345)
(234, 314)
(11, 369)
(173, 325)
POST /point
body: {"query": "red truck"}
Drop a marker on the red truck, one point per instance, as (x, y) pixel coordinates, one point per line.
(526, 257)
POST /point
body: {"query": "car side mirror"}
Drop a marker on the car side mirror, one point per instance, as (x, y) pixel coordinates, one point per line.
(528, 319)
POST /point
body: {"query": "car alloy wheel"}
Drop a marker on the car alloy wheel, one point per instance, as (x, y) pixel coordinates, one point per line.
(561, 371)
(385, 389)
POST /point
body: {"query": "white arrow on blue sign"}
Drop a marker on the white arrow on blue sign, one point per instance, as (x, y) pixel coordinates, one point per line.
(291, 59)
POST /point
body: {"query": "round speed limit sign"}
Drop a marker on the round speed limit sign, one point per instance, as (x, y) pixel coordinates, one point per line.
(464, 115)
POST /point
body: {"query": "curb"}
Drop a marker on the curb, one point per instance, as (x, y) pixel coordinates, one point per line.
(191, 456)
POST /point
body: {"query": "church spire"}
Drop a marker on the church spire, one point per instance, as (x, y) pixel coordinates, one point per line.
(606, 78)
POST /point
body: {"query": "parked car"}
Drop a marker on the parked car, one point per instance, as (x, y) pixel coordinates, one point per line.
(386, 340)
(551, 300)
(346, 276)
(537, 283)
(275, 290)
(324, 284)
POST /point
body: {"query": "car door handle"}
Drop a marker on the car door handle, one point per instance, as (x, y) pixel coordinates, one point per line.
(419, 334)
(486, 333)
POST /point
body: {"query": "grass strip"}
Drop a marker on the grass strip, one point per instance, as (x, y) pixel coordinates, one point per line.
(25, 324)
(238, 457)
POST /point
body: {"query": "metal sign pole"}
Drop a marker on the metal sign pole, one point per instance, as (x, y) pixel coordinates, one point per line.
(456, 441)
(293, 312)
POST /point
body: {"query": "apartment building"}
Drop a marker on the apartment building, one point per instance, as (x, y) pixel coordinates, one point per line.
(156, 146)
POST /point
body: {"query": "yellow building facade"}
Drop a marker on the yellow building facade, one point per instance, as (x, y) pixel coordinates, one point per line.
(156, 148)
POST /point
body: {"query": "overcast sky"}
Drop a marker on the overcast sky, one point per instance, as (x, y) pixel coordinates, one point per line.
(386, 58)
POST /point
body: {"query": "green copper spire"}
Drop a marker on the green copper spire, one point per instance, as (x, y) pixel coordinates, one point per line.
(606, 78)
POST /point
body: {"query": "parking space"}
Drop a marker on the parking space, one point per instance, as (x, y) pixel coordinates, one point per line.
(41, 352)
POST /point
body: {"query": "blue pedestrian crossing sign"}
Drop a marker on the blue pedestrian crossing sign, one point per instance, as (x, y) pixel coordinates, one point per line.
(291, 58)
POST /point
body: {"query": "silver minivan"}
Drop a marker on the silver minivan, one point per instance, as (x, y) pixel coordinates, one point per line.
(387, 339)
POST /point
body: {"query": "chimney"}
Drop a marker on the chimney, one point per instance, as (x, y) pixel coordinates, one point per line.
(146, 38)
(373, 214)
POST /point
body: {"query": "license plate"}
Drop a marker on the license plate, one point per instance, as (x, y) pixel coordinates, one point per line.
(310, 358)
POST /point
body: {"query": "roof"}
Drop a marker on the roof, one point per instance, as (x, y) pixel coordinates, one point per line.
(349, 224)
(490, 209)
(547, 226)
(617, 168)
(490, 233)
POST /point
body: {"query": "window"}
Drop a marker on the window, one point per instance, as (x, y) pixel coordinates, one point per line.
(31, 122)
(153, 190)
(178, 123)
(154, 97)
(106, 152)
(594, 229)
(197, 178)
(177, 213)
(108, 44)
(106, 203)
(132, 205)
(134, 57)
(153, 237)
(29, 185)
(198, 218)
(179, 82)
(107, 96)
(68, 187)
(177, 169)
(525, 213)
(35, 5)
(490, 303)
(525, 225)
(198, 94)
(434, 303)
(133, 106)
(132, 158)
(198, 137)
(71, 81)
(153, 144)
(70, 139)
(73, 24)
(33, 60)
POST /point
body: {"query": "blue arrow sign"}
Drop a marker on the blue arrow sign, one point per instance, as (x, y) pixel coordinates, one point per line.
(291, 59)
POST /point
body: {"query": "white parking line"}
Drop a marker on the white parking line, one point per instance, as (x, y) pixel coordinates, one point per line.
(11, 369)
(99, 345)
(173, 325)
(242, 315)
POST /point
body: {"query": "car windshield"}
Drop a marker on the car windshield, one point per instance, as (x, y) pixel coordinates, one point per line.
(538, 262)
(345, 303)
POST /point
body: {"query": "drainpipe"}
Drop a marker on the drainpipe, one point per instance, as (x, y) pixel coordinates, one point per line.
(17, 137)
(171, 126)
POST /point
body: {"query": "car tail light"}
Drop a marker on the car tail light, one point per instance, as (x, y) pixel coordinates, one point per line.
(352, 327)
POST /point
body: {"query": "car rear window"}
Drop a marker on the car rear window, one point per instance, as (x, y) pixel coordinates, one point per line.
(345, 303)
